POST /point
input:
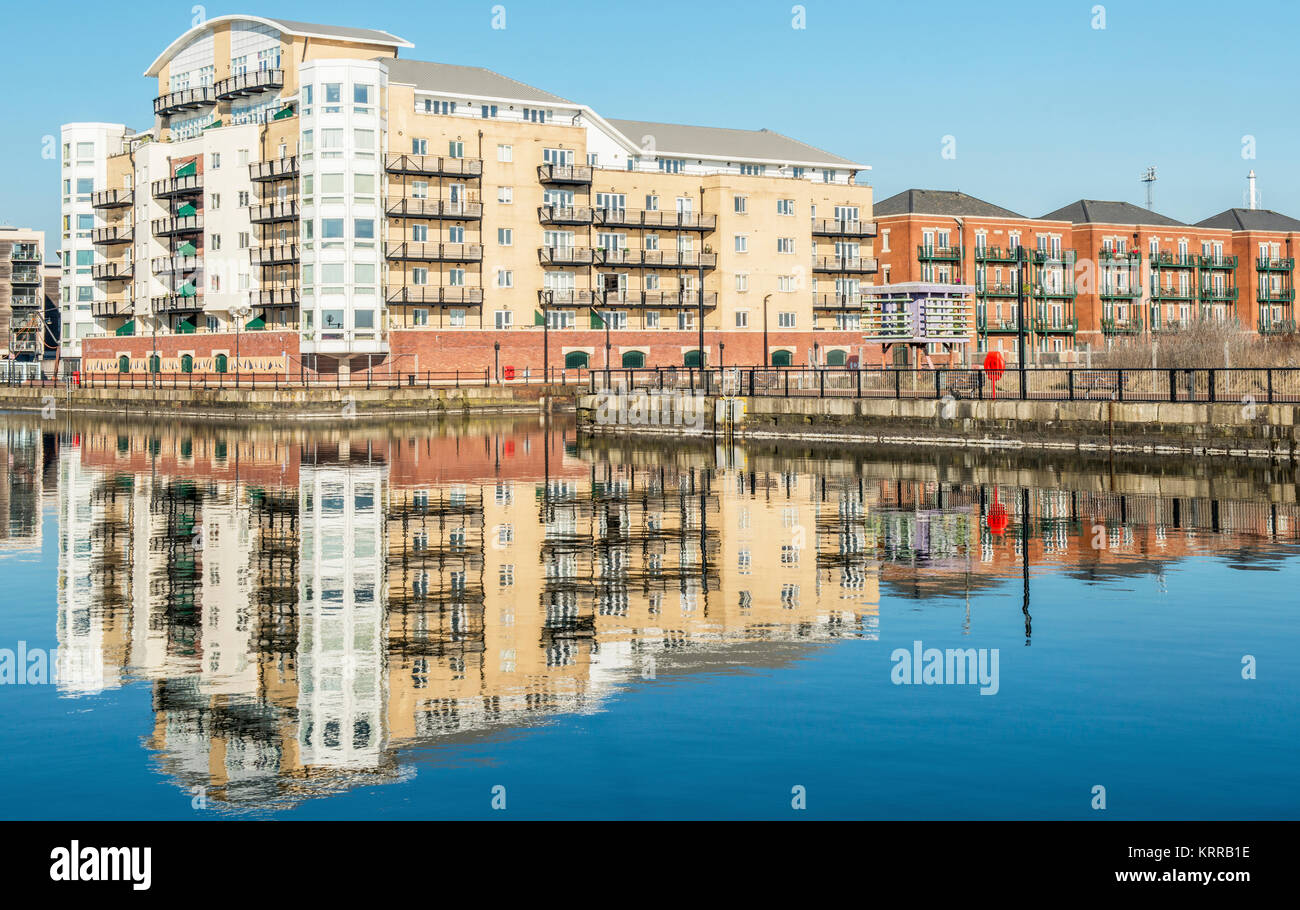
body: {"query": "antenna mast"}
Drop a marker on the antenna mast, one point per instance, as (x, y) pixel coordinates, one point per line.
(1149, 178)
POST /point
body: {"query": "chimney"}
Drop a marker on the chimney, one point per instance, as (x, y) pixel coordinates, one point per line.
(1252, 199)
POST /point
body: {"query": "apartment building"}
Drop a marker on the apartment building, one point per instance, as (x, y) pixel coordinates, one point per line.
(307, 201)
(951, 238)
(1262, 263)
(22, 294)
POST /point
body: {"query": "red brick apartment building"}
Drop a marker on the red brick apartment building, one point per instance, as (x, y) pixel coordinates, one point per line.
(1093, 270)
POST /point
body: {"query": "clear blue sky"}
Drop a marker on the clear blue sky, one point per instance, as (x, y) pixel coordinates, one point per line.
(1044, 108)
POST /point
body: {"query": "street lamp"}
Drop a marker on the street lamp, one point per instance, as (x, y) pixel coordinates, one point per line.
(763, 356)
(238, 312)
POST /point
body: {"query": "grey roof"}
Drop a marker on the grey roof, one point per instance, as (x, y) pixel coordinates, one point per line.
(1095, 211)
(720, 142)
(464, 80)
(1251, 220)
(940, 202)
(366, 35)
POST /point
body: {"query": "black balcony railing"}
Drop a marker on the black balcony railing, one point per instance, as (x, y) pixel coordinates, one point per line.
(106, 236)
(275, 169)
(656, 220)
(563, 173)
(433, 166)
(851, 264)
(271, 212)
(178, 224)
(434, 252)
(191, 185)
(273, 254)
(428, 295)
(832, 227)
(249, 84)
(112, 199)
(184, 100)
(435, 209)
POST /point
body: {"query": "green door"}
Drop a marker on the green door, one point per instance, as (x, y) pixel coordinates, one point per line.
(220, 363)
(634, 360)
(692, 358)
(124, 364)
(780, 358)
(155, 364)
(187, 364)
(575, 360)
(835, 358)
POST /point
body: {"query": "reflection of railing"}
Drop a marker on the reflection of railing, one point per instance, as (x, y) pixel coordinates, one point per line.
(1262, 384)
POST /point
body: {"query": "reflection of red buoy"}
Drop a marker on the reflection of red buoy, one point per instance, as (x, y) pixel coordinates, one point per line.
(997, 517)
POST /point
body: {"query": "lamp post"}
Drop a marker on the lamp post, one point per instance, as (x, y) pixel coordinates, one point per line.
(763, 356)
(238, 312)
(496, 361)
(1021, 259)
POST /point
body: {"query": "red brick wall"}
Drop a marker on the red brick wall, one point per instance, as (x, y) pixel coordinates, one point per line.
(259, 352)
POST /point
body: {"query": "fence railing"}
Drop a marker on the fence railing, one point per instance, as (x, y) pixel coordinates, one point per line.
(1245, 386)
(247, 379)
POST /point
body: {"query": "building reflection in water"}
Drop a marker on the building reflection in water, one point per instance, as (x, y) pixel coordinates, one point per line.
(309, 605)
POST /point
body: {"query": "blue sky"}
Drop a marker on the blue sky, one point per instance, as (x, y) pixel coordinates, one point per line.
(1043, 107)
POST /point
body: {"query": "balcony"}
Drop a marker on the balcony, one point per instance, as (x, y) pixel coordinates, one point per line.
(1130, 257)
(996, 254)
(435, 210)
(1170, 326)
(26, 274)
(275, 169)
(676, 300)
(176, 265)
(565, 214)
(277, 296)
(25, 252)
(1219, 295)
(273, 254)
(568, 297)
(564, 173)
(1275, 295)
(656, 259)
(1265, 264)
(113, 270)
(655, 220)
(833, 227)
(109, 308)
(838, 301)
(428, 295)
(1053, 325)
(177, 303)
(112, 199)
(107, 236)
(997, 326)
(1052, 257)
(433, 166)
(171, 187)
(1109, 290)
(1167, 260)
(1277, 327)
(178, 225)
(272, 212)
(1131, 326)
(845, 264)
(434, 252)
(1173, 294)
(1052, 292)
(248, 84)
(565, 255)
(938, 253)
(186, 99)
(1218, 262)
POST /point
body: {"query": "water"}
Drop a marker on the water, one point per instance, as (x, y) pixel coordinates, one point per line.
(398, 621)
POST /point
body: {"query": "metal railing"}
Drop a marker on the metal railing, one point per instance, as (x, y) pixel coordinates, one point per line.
(378, 378)
(1259, 385)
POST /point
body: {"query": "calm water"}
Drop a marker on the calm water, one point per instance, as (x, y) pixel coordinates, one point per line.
(398, 621)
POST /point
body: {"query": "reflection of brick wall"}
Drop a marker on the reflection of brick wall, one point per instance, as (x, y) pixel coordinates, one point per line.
(261, 352)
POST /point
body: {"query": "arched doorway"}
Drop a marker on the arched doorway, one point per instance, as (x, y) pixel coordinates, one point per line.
(187, 363)
(124, 364)
(155, 363)
(634, 360)
(836, 358)
(692, 358)
(781, 358)
(220, 363)
(575, 360)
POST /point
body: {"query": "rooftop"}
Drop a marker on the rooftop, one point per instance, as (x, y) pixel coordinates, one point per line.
(1251, 220)
(465, 80)
(1097, 211)
(940, 202)
(721, 142)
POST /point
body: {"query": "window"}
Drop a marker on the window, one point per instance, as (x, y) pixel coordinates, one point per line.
(333, 92)
(244, 199)
(505, 278)
(419, 317)
(742, 319)
(364, 228)
(457, 318)
(652, 319)
(505, 195)
(504, 319)
(671, 165)
(419, 146)
(420, 275)
(785, 283)
(742, 282)
(214, 201)
(739, 204)
(214, 242)
(214, 160)
(361, 94)
(742, 243)
(455, 149)
(331, 228)
(785, 206)
(785, 244)
(244, 240)
(505, 237)
(488, 111)
(533, 115)
(420, 233)
(785, 320)
(505, 153)
(753, 170)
